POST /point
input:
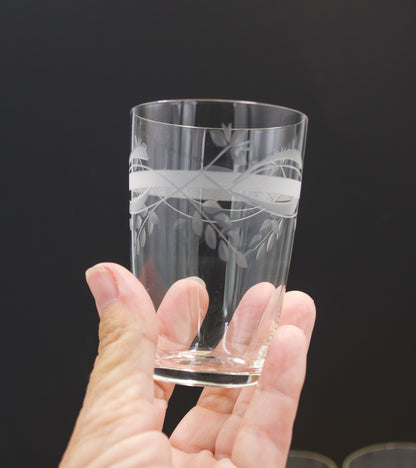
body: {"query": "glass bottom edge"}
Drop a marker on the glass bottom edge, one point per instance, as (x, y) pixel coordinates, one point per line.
(204, 379)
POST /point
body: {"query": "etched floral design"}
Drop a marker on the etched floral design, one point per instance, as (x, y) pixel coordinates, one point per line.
(209, 221)
(145, 223)
(139, 153)
(235, 141)
(213, 225)
(267, 237)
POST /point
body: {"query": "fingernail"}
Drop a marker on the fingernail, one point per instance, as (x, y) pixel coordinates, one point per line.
(197, 279)
(102, 286)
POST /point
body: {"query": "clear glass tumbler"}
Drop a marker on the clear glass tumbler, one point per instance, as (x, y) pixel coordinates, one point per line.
(306, 459)
(388, 455)
(214, 192)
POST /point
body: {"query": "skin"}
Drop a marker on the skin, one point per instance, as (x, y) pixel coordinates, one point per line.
(120, 423)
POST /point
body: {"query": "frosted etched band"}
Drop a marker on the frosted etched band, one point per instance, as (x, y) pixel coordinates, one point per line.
(264, 191)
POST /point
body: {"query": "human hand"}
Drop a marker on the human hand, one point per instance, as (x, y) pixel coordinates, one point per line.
(120, 423)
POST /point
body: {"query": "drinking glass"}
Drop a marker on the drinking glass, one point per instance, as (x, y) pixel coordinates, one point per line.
(306, 459)
(214, 192)
(388, 455)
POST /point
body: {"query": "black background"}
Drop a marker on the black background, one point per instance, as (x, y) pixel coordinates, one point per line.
(71, 71)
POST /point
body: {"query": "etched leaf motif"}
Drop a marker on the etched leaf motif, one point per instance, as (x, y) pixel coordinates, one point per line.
(221, 137)
(143, 237)
(266, 224)
(240, 146)
(153, 217)
(153, 220)
(144, 211)
(223, 220)
(210, 237)
(227, 131)
(138, 202)
(254, 241)
(223, 251)
(241, 259)
(211, 206)
(270, 242)
(260, 252)
(140, 151)
(150, 227)
(275, 226)
(197, 225)
(218, 137)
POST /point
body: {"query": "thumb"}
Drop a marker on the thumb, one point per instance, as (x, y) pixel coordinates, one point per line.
(127, 331)
(118, 405)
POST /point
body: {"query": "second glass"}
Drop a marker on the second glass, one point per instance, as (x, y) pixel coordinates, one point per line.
(306, 459)
(214, 192)
(387, 455)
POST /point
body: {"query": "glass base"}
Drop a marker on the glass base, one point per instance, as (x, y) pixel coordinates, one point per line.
(204, 379)
(202, 368)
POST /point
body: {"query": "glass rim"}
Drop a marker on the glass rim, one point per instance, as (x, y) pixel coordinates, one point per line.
(376, 448)
(313, 456)
(303, 117)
